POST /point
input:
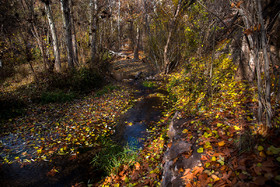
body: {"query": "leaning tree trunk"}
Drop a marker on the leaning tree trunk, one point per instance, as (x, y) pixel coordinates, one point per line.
(68, 30)
(56, 51)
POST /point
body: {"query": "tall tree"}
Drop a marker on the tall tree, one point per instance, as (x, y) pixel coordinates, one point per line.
(93, 28)
(68, 31)
(74, 39)
(55, 43)
(267, 81)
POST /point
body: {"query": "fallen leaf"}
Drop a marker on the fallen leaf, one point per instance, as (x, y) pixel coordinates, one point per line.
(200, 150)
(260, 148)
(221, 143)
(137, 166)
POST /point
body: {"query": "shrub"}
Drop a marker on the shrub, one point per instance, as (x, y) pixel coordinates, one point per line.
(81, 80)
(56, 97)
(11, 107)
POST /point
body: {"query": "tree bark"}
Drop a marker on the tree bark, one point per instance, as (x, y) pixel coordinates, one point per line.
(68, 31)
(267, 103)
(55, 44)
(137, 42)
(74, 39)
(166, 60)
(248, 49)
(93, 29)
(118, 24)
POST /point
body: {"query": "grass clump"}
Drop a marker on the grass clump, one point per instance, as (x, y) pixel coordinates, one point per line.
(112, 157)
(106, 90)
(149, 84)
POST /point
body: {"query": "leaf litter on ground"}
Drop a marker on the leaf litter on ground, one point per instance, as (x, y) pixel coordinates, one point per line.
(60, 129)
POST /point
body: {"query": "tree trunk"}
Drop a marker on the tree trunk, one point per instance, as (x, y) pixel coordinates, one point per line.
(74, 39)
(267, 103)
(248, 49)
(119, 27)
(93, 29)
(55, 44)
(131, 35)
(166, 60)
(68, 31)
(137, 42)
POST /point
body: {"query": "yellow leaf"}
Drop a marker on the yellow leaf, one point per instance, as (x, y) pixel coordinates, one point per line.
(260, 148)
(207, 164)
(214, 158)
(185, 131)
(221, 143)
(200, 150)
(236, 128)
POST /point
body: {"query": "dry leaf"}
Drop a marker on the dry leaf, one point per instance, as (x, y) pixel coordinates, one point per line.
(137, 166)
(221, 143)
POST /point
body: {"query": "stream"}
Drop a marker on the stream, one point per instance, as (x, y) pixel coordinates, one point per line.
(131, 131)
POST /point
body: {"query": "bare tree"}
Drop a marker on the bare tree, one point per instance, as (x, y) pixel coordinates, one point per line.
(68, 31)
(93, 28)
(53, 34)
(74, 39)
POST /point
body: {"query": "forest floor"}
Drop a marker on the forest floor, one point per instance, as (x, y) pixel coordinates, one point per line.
(55, 143)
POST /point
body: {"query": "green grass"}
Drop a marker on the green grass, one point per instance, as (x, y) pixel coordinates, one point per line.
(112, 157)
(149, 84)
(106, 90)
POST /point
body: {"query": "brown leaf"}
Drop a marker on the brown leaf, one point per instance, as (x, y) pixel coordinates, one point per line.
(226, 176)
(188, 175)
(238, 4)
(134, 175)
(248, 32)
(203, 179)
(197, 170)
(52, 172)
(260, 180)
(137, 166)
